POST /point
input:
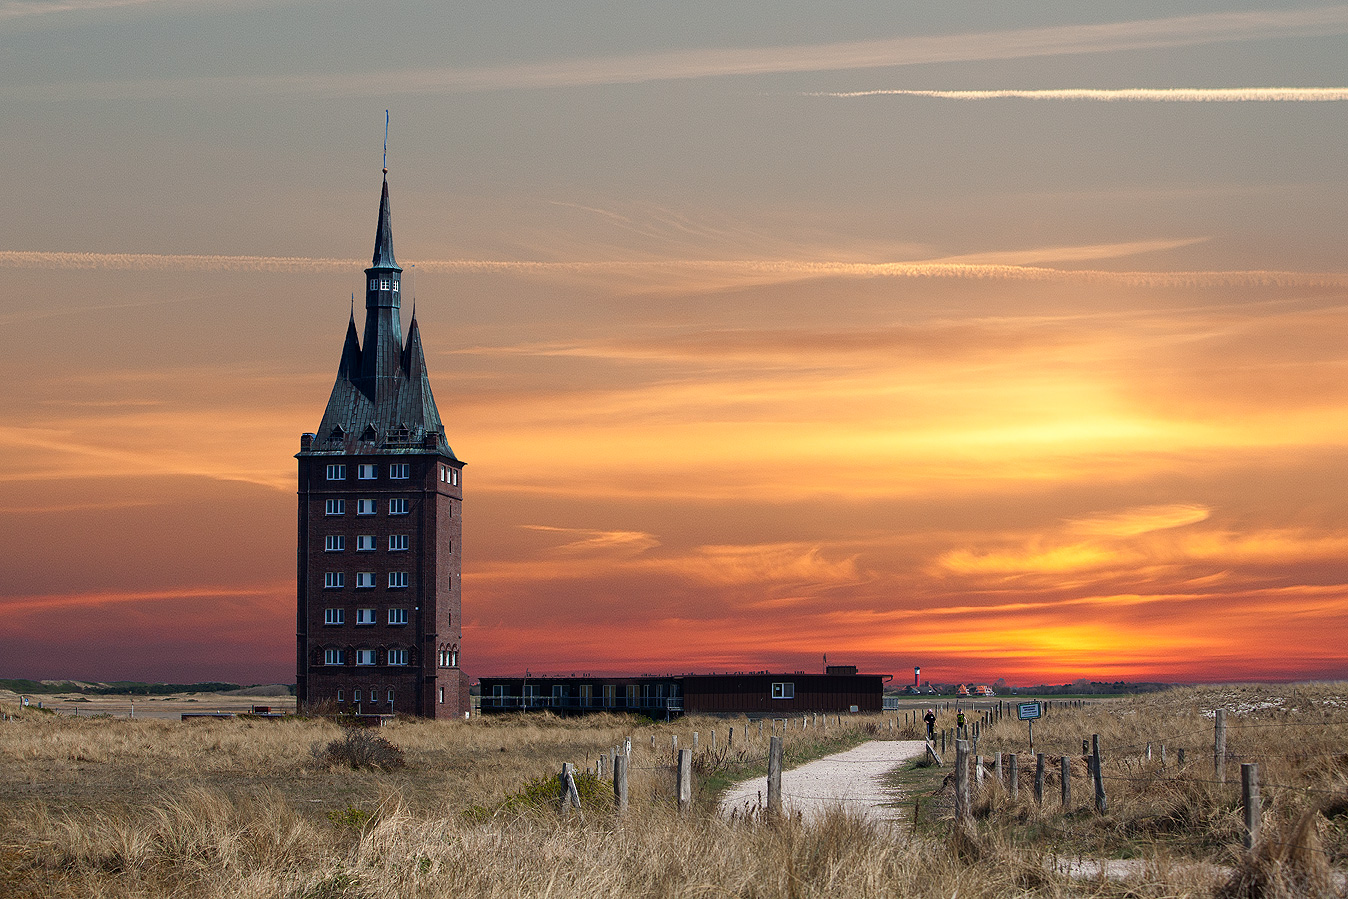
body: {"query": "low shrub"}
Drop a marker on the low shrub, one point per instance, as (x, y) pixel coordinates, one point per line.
(359, 749)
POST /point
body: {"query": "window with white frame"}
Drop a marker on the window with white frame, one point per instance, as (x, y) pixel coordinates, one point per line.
(335, 507)
(784, 691)
(397, 616)
(334, 657)
(365, 580)
(366, 472)
(398, 543)
(365, 507)
(336, 472)
(454, 657)
(390, 696)
(374, 284)
(395, 286)
(400, 471)
(334, 616)
(364, 656)
(397, 657)
(334, 543)
(498, 695)
(332, 580)
(364, 616)
(398, 507)
(355, 696)
(339, 695)
(365, 543)
(383, 283)
(397, 579)
(442, 696)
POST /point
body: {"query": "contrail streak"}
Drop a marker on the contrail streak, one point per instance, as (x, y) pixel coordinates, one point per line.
(1147, 94)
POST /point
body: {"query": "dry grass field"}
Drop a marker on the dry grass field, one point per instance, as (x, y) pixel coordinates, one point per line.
(93, 807)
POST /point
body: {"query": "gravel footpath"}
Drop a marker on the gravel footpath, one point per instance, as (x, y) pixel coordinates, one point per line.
(853, 780)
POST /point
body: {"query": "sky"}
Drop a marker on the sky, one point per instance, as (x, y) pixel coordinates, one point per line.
(1007, 340)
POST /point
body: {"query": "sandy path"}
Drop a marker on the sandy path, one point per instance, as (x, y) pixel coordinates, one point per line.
(852, 780)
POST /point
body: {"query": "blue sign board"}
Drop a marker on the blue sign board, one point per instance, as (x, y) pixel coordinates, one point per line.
(1029, 710)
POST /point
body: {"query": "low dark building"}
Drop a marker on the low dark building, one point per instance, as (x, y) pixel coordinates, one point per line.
(758, 694)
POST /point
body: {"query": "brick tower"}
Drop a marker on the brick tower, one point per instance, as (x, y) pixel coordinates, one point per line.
(378, 627)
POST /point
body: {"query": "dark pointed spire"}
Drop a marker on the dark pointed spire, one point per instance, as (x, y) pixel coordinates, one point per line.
(383, 235)
(349, 367)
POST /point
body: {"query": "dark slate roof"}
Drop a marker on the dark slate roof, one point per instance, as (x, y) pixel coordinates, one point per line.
(382, 400)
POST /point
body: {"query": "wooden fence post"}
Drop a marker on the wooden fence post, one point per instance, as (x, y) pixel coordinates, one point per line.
(775, 776)
(674, 738)
(963, 813)
(694, 739)
(760, 727)
(1179, 756)
(1039, 779)
(684, 781)
(620, 784)
(1100, 803)
(1219, 747)
(569, 796)
(1065, 769)
(997, 770)
(978, 773)
(1249, 800)
(730, 738)
(1013, 776)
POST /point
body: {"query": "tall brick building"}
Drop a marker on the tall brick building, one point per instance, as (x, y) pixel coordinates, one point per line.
(378, 628)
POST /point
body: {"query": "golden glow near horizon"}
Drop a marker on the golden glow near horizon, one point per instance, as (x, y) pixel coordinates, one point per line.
(758, 347)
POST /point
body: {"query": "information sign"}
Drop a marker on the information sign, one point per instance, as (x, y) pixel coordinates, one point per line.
(1029, 710)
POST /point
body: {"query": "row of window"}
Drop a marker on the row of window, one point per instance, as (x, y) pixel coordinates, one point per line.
(363, 616)
(374, 695)
(384, 284)
(336, 580)
(449, 474)
(397, 471)
(448, 658)
(364, 657)
(336, 543)
(367, 507)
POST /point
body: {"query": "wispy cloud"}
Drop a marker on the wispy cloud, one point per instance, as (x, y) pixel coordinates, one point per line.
(1145, 519)
(1148, 94)
(26, 9)
(976, 266)
(586, 541)
(1145, 34)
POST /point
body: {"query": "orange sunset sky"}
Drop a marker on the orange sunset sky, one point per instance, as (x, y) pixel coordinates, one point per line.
(1004, 341)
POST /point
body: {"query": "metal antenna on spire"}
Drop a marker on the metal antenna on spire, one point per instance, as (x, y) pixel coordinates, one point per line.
(386, 142)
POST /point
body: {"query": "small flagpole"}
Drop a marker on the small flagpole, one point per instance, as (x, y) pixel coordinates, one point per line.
(386, 142)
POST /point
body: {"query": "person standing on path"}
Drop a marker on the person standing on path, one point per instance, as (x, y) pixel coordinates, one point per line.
(959, 723)
(930, 718)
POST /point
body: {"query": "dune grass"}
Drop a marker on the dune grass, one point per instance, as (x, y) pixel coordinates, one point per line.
(121, 808)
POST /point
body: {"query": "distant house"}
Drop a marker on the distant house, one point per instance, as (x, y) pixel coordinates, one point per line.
(983, 690)
(962, 690)
(756, 694)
